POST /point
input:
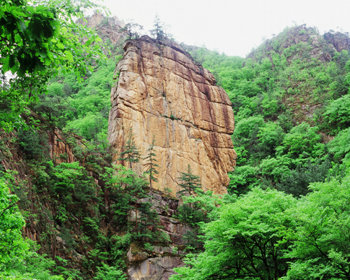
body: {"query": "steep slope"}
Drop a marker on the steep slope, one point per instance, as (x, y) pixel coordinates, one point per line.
(290, 97)
(163, 95)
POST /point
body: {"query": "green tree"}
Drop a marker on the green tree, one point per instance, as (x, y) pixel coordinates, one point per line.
(151, 164)
(247, 241)
(106, 272)
(38, 38)
(302, 142)
(337, 113)
(189, 183)
(12, 244)
(158, 30)
(339, 147)
(129, 151)
(322, 238)
(18, 259)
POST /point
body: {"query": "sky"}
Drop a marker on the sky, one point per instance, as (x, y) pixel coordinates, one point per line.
(233, 27)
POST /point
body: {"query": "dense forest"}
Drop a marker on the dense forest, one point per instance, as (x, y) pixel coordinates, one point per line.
(66, 215)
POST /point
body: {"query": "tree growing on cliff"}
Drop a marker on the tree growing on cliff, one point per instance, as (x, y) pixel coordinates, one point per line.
(190, 184)
(158, 30)
(129, 151)
(132, 30)
(151, 164)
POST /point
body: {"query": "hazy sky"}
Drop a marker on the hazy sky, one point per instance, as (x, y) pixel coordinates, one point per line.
(232, 26)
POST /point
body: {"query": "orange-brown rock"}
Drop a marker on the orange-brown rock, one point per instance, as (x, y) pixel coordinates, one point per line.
(163, 94)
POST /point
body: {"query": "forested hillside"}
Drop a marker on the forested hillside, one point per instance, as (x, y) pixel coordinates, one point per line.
(290, 219)
(67, 213)
(290, 98)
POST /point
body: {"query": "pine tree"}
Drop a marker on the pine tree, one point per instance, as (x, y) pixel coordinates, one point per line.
(189, 183)
(151, 164)
(130, 152)
(158, 30)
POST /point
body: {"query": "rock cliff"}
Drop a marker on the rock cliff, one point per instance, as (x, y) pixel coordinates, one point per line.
(162, 94)
(340, 41)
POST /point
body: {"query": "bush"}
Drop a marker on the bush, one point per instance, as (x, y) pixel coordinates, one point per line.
(32, 143)
(340, 145)
(106, 272)
(242, 179)
(337, 114)
(246, 241)
(302, 141)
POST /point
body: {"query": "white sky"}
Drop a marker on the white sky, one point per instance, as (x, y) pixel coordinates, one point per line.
(232, 26)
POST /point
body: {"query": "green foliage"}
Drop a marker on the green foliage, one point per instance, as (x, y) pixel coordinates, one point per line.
(33, 266)
(106, 272)
(32, 143)
(37, 39)
(270, 136)
(296, 181)
(247, 241)
(270, 235)
(12, 244)
(302, 141)
(222, 66)
(18, 259)
(129, 152)
(151, 164)
(337, 113)
(189, 183)
(129, 207)
(242, 179)
(80, 106)
(339, 147)
(321, 247)
(246, 133)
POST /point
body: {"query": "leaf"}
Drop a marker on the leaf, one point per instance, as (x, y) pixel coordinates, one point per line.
(69, 56)
(59, 45)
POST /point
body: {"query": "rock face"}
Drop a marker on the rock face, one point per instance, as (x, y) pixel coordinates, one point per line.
(158, 262)
(162, 94)
(340, 41)
(108, 28)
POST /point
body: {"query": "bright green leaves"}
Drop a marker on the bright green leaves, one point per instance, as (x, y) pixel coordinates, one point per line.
(339, 147)
(247, 241)
(337, 114)
(25, 33)
(12, 244)
(267, 234)
(36, 41)
(302, 141)
(321, 249)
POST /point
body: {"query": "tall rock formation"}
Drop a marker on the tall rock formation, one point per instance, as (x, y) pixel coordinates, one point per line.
(162, 94)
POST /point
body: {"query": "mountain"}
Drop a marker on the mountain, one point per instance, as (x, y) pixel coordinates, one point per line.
(97, 215)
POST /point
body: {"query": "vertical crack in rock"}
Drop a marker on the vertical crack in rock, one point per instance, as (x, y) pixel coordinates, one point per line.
(163, 94)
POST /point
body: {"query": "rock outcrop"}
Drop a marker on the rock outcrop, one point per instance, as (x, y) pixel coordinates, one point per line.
(108, 28)
(159, 261)
(340, 41)
(162, 94)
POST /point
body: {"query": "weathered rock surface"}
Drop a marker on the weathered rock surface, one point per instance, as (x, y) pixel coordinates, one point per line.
(340, 41)
(162, 94)
(159, 261)
(108, 28)
(158, 268)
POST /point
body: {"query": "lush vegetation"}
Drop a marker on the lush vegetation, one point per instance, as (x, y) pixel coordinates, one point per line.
(286, 215)
(289, 219)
